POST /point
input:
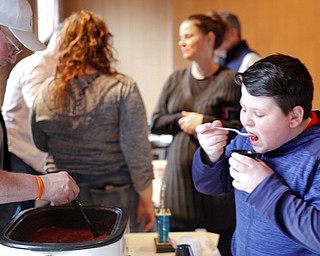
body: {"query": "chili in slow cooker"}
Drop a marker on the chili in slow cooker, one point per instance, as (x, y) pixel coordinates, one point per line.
(63, 235)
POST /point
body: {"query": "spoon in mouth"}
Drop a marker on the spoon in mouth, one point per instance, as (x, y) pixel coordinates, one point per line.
(235, 130)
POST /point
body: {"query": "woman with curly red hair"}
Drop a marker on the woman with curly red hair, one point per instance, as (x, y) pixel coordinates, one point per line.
(92, 122)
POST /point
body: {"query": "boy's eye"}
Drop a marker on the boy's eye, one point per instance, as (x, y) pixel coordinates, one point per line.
(259, 115)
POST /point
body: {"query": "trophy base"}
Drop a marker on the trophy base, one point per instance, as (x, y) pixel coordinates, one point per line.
(163, 247)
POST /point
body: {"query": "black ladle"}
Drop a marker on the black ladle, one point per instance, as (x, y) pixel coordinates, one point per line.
(77, 205)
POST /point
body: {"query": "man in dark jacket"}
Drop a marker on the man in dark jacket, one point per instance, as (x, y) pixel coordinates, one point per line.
(234, 52)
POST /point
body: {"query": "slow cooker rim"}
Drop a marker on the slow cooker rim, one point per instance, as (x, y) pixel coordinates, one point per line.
(120, 225)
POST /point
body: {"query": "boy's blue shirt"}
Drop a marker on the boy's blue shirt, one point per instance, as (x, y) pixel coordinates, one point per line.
(282, 215)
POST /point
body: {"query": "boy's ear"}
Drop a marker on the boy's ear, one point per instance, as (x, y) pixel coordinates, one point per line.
(296, 116)
(211, 36)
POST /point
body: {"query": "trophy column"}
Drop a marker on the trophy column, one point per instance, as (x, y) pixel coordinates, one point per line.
(162, 242)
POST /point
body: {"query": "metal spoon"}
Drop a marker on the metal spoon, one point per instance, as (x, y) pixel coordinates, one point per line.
(234, 130)
(77, 205)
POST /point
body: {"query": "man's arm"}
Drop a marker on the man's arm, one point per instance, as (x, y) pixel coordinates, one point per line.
(58, 188)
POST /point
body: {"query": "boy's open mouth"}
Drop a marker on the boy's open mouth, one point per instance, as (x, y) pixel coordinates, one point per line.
(253, 137)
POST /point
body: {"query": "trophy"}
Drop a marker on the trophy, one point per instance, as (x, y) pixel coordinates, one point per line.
(163, 243)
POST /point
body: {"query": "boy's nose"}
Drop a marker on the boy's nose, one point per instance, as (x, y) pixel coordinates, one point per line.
(247, 120)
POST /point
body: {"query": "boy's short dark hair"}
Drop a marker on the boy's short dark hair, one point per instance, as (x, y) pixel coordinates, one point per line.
(283, 77)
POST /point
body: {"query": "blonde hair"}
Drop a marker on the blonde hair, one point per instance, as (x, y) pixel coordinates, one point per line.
(84, 42)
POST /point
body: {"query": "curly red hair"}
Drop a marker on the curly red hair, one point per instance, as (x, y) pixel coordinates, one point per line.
(85, 41)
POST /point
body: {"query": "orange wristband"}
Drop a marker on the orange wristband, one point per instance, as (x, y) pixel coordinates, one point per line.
(41, 187)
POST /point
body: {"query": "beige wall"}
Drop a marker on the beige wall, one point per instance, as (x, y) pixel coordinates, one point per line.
(142, 39)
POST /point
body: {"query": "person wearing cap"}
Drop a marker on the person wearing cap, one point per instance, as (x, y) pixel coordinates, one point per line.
(16, 28)
(24, 81)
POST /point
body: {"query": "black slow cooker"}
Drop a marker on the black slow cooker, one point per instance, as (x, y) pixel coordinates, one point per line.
(111, 220)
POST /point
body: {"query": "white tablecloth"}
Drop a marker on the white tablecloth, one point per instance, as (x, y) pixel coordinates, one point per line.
(142, 244)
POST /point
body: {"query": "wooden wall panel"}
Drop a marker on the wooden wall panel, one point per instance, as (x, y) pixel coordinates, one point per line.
(270, 26)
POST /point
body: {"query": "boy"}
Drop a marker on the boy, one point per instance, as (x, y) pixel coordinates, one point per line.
(277, 193)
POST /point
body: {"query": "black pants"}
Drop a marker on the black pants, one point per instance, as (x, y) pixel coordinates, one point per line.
(224, 244)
